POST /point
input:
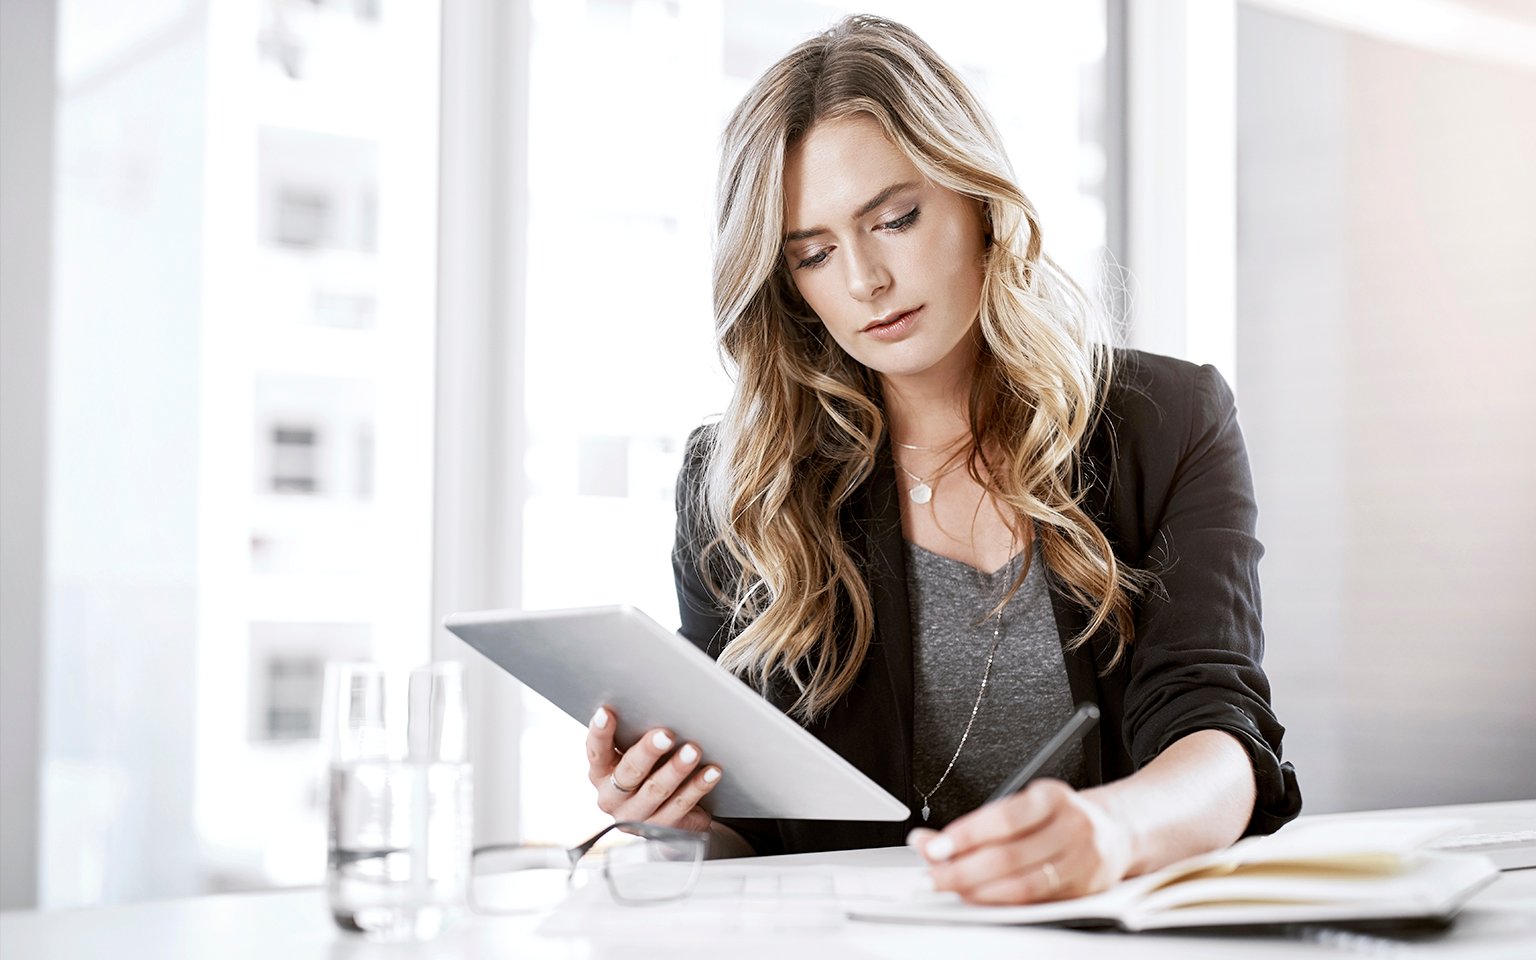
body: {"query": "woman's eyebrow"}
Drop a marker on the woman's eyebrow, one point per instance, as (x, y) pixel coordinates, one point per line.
(874, 202)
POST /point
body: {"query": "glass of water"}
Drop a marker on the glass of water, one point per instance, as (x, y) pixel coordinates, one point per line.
(400, 819)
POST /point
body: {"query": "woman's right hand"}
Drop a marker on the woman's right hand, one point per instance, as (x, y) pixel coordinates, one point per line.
(650, 782)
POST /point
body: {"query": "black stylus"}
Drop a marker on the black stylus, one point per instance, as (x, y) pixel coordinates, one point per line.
(1078, 724)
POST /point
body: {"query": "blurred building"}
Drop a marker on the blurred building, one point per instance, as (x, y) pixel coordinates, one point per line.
(242, 432)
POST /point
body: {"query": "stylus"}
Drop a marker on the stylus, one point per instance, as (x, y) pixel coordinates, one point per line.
(1076, 726)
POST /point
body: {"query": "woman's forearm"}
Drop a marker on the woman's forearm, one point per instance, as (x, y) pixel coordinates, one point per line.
(1196, 796)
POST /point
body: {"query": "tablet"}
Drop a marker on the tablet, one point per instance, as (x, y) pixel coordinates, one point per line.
(581, 659)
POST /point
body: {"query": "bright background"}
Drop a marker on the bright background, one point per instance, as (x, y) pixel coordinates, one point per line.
(325, 319)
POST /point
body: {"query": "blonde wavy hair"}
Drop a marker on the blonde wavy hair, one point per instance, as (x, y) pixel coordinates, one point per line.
(805, 425)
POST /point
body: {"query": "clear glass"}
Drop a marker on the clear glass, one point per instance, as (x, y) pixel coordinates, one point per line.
(398, 865)
(640, 863)
(353, 712)
(438, 719)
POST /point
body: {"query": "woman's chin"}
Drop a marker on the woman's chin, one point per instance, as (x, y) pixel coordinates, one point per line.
(920, 364)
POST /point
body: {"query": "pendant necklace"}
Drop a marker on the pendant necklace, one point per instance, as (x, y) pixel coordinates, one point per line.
(986, 675)
(997, 634)
(922, 490)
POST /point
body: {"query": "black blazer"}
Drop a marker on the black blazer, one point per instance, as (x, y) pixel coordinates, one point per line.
(1168, 483)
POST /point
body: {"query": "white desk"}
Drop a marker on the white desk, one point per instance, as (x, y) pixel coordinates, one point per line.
(1500, 922)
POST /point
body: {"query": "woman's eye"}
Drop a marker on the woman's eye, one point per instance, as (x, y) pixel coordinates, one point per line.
(901, 223)
(812, 262)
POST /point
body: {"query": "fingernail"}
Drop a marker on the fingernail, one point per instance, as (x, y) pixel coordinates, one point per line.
(661, 741)
(711, 775)
(939, 848)
(688, 754)
(600, 718)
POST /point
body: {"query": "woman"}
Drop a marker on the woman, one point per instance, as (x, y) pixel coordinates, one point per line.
(938, 511)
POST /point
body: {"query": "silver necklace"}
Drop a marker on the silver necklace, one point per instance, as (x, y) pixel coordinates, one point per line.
(942, 446)
(986, 675)
(922, 490)
(997, 634)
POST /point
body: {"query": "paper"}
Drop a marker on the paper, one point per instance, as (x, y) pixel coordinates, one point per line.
(1309, 871)
(740, 896)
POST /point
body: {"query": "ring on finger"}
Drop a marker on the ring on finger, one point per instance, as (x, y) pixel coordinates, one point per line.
(619, 786)
(1051, 876)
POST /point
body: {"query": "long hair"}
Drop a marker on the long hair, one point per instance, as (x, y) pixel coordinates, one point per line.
(805, 424)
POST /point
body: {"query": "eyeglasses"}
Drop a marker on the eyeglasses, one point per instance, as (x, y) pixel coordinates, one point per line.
(640, 862)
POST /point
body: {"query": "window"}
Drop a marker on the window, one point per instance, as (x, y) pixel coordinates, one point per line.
(241, 440)
(293, 460)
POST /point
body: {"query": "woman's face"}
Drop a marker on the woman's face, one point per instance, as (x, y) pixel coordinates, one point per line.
(890, 262)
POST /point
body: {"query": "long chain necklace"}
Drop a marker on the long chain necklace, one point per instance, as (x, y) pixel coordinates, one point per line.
(997, 634)
(986, 675)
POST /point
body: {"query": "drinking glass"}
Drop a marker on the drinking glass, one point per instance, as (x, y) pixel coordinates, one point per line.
(400, 819)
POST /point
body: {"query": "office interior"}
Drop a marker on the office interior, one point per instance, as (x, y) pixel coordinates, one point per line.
(324, 319)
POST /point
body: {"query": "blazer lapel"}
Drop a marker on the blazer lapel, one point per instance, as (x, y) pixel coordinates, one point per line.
(1082, 673)
(877, 515)
(1071, 619)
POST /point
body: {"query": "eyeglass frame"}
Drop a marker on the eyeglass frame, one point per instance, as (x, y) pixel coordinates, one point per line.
(645, 831)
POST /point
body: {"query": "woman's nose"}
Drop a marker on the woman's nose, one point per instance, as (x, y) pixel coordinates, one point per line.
(867, 277)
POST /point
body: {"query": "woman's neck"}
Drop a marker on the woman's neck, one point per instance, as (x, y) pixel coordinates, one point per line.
(932, 408)
(927, 412)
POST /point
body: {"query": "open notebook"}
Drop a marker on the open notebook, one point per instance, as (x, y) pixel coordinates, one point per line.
(1370, 870)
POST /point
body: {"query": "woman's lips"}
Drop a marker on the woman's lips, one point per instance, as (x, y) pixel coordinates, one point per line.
(896, 329)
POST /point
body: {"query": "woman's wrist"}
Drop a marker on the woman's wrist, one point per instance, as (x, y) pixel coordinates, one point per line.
(1195, 797)
(1130, 835)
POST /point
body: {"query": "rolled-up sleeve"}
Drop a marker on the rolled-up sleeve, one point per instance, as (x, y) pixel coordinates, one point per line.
(1196, 663)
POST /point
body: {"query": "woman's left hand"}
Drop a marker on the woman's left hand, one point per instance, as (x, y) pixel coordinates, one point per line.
(1046, 842)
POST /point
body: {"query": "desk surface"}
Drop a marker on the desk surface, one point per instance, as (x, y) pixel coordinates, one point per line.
(295, 925)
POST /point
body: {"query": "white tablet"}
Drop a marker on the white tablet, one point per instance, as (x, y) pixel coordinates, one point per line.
(580, 659)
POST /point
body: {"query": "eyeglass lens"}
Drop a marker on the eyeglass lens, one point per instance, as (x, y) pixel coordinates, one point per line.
(636, 869)
(652, 870)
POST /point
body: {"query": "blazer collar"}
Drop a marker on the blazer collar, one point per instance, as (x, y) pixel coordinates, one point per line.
(885, 698)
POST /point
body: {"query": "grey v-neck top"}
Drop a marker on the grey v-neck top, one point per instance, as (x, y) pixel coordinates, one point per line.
(1027, 696)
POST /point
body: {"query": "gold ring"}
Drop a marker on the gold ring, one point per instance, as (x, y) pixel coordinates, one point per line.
(619, 786)
(1049, 869)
